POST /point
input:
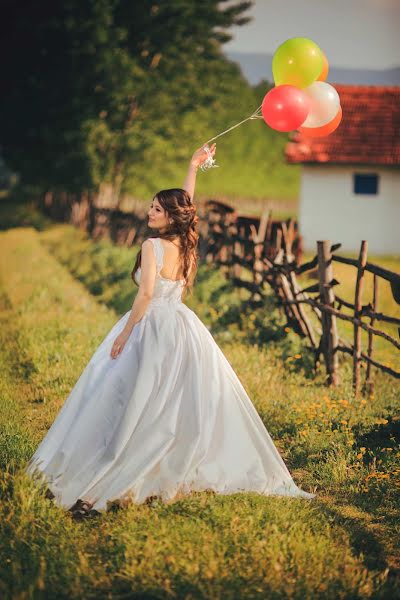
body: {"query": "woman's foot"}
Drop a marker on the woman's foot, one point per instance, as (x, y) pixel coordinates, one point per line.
(83, 510)
(49, 494)
(151, 500)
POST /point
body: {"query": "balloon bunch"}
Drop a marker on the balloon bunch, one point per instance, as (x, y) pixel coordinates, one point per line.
(301, 98)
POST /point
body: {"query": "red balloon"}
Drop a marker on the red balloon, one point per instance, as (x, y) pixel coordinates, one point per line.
(285, 107)
(325, 129)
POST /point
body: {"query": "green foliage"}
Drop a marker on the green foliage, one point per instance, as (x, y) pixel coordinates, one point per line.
(19, 212)
(105, 80)
(251, 157)
(122, 93)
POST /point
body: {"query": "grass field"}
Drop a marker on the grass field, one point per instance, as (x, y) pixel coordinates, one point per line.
(59, 296)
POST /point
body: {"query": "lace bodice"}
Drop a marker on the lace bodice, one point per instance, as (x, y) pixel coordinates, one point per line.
(164, 289)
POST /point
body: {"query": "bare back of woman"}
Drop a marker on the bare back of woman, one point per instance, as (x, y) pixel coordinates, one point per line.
(172, 264)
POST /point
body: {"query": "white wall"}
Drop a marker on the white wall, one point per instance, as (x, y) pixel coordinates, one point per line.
(329, 210)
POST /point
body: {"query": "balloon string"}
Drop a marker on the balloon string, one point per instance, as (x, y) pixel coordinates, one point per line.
(256, 115)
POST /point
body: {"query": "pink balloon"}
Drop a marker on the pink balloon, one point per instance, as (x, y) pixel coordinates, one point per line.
(285, 107)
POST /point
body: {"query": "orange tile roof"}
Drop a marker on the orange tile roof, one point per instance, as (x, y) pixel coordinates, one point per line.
(369, 132)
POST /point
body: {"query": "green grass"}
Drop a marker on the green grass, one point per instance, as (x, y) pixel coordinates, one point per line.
(340, 545)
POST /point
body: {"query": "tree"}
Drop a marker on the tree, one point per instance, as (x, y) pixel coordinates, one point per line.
(92, 88)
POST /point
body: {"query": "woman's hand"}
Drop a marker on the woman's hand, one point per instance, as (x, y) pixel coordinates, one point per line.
(200, 155)
(119, 344)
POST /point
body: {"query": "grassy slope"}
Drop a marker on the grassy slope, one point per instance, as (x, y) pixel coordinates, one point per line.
(210, 546)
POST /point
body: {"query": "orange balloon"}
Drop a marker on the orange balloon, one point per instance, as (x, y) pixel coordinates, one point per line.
(325, 69)
(325, 129)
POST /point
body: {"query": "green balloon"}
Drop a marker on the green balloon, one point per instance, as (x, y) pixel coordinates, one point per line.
(298, 62)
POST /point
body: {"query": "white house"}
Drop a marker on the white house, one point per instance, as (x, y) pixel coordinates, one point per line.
(350, 180)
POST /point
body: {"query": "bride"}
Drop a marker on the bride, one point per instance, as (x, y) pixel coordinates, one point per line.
(158, 411)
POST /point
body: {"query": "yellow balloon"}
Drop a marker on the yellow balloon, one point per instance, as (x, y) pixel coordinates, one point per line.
(298, 62)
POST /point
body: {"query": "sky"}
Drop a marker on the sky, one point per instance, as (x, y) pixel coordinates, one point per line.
(361, 34)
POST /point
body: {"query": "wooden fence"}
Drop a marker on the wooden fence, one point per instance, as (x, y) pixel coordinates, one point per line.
(271, 252)
(128, 228)
(278, 265)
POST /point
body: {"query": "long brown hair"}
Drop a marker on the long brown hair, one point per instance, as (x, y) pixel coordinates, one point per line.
(180, 208)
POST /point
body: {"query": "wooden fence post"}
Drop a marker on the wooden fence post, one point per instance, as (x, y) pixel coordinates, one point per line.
(236, 269)
(258, 238)
(329, 339)
(297, 294)
(369, 384)
(362, 261)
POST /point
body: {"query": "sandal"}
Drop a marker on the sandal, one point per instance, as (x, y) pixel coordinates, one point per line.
(82, 509)
(49, 494)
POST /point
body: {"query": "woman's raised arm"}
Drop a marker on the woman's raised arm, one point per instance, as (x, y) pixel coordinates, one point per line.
(199, 156)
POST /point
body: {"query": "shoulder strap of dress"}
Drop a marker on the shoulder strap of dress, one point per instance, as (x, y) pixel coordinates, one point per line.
(159, 253)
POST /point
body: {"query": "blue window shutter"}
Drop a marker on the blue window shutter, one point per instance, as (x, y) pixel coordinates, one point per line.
(365, 183)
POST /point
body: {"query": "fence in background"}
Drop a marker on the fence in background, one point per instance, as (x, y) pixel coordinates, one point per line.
(124, 228)
(277, 265)
(267, 251)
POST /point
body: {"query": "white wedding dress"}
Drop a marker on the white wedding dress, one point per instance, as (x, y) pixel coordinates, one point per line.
(166, 417)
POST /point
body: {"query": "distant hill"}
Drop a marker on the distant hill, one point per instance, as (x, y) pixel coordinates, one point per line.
(256, 67)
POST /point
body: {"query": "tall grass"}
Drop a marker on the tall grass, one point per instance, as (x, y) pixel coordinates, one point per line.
(340, 545)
